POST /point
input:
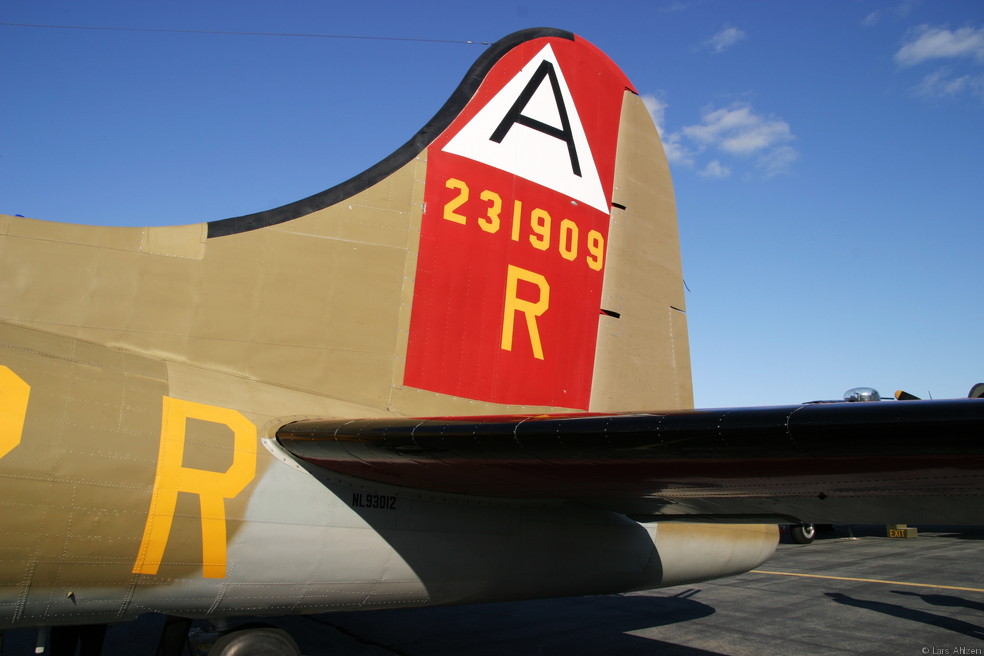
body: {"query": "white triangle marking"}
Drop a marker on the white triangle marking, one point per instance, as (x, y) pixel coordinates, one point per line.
(530, 153)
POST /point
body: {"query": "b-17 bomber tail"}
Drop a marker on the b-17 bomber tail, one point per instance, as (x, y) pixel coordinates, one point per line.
(412, 388)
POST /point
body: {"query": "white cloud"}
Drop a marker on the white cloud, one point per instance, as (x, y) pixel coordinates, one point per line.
(897, 12)
(943, 84)
(777, 161)
(714, 169)
(871, 19)
(738, 130)
(733, 131)
(677, 152)
(657, 109)
(673, 7)
(926, 43)
(957, 49)
(723, 40)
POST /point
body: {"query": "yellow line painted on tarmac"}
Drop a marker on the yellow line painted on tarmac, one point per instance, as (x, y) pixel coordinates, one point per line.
(848, 578)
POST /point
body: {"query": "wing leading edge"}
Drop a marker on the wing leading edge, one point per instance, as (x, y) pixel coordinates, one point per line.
(827, 463)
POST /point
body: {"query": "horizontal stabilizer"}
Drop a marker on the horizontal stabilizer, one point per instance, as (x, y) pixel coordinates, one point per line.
(836, 460)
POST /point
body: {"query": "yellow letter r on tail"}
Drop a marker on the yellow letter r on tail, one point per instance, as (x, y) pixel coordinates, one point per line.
(529, 309)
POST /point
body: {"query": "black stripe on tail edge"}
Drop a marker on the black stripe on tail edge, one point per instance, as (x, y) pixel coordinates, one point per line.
(462, 94)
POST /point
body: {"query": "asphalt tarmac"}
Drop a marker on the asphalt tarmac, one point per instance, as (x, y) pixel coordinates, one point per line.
(852, 591)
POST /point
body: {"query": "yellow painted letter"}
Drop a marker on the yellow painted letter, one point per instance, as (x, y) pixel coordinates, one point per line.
(529, 309)
(212, 487)
(14, 393)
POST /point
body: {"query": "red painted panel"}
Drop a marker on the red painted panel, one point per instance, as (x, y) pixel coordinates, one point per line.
(511, 262)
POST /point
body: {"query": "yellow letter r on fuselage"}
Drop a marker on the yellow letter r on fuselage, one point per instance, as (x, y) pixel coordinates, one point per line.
(14, 393)
(212, 487)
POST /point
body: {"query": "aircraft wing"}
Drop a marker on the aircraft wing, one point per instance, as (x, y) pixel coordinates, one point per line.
(824, 463)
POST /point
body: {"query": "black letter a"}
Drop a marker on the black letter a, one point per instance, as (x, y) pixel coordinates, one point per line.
(515, 114)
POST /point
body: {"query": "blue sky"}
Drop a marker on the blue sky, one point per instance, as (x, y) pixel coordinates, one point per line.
(828, 157)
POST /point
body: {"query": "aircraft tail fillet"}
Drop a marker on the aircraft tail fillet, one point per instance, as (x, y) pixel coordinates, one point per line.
(518, 254)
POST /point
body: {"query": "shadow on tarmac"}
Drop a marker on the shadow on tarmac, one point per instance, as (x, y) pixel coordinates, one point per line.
(579, 626)
(572, 627)
(630, 624)
(909, 614)
(944, 600)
